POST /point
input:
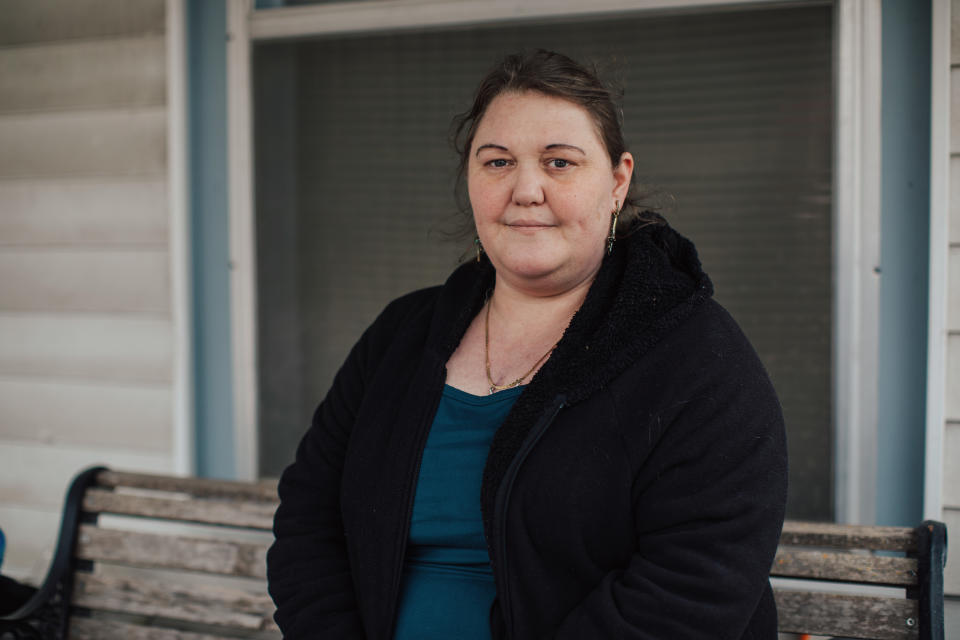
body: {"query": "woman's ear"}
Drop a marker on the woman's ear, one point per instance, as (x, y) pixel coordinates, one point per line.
(621, 176)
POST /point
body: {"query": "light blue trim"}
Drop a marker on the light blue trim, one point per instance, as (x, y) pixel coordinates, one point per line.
(209, 220)
(904, 257)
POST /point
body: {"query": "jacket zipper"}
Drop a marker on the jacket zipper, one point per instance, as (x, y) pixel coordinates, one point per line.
(503, 499)
(412, 492)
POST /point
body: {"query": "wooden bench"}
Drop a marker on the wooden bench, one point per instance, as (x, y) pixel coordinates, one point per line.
(165, 558)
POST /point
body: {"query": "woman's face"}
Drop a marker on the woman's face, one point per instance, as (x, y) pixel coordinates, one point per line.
(542, 189)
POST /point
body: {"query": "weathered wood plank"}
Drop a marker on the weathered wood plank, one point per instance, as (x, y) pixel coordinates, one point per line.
(845, 567)
(822, 534)
(830, 614)
(232, 609)
(172, 552)
(250, 515)
(201, 487)
(95, 629)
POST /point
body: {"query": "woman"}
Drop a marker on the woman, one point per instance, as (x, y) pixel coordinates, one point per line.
(569, 439)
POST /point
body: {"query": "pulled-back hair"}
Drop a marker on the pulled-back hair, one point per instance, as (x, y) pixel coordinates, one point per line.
(552, 74)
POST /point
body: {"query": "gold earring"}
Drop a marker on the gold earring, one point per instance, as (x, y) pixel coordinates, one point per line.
(613, 226)
(479, 247)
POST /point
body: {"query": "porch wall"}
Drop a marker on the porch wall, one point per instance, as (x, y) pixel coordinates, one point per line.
(86, 329)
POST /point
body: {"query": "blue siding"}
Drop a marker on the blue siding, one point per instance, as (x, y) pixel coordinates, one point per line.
(207, 21)
(904, 256)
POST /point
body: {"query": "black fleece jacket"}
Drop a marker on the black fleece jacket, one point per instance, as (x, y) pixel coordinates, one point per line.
(636, 489)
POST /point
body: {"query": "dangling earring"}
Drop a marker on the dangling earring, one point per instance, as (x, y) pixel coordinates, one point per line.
(613, 226)
(479, 247)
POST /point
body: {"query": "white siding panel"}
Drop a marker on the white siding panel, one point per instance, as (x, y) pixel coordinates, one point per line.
(955, 197)
(84, 280)
(953, 290)
(83, 212)
(125, 72)
(955, 110)
(951, 517)
(36, 475)
(951, 470)
(953, 377)
(955, 32)
(48, 20)
(31, 536)
(59, 413)
(84, 143)
(93, 347)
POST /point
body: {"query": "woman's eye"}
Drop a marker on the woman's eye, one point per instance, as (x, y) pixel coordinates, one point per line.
(499, 163)
(559, 163)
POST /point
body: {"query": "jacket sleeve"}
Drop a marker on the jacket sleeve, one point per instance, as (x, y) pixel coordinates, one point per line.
(308, 571)
(708, 507)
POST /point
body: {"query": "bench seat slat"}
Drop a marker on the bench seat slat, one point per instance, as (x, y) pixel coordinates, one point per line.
(250, 515)
(822, 534)
(830, 614)
(845, 567)
(202, 604)
(97, 629)
(138, 549)
(203, 487)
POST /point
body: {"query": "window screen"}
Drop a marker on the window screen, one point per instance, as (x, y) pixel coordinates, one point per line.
(727, 114)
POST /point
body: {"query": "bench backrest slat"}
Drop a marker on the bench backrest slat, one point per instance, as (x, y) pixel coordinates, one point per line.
(133, 548)
(199, 487)
(822, 534)
(217, 511)
(91, 629)
(845, 567)
(846, 615)
(197, 604)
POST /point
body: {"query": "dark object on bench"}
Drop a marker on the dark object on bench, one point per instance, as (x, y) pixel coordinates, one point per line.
(199, 573)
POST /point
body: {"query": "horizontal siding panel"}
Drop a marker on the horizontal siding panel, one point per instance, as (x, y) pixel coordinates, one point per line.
(951, 586)
(954, 36)
(951, 470)
(37, 475)
(84, 143)
(31, 534)
(953, 377)
(127, 72)
(955, 110)
(953, 290)
(84, 280)
(955, 198)
(92, 211)
(91, 347)
(49, 20)
(94, 415)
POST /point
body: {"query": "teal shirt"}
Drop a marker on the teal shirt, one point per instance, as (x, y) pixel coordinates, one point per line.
(448, 585)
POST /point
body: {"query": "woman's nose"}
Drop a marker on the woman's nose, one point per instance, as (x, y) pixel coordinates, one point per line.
(528, 189)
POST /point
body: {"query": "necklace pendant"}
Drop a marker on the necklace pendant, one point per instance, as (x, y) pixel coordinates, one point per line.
(493, 389)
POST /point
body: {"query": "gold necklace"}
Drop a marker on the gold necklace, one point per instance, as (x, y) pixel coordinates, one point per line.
(494, 387)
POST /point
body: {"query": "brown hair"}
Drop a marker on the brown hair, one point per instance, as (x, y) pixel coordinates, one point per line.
(552, 74)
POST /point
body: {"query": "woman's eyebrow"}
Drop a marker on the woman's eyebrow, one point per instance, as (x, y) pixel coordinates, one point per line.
(490, 146)
(563, 145)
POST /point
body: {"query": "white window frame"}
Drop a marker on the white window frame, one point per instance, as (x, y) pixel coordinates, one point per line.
(184, 435)
(856, 190)
(938, 327)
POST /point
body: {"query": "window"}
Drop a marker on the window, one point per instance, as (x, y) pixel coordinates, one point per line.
(729, 115)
